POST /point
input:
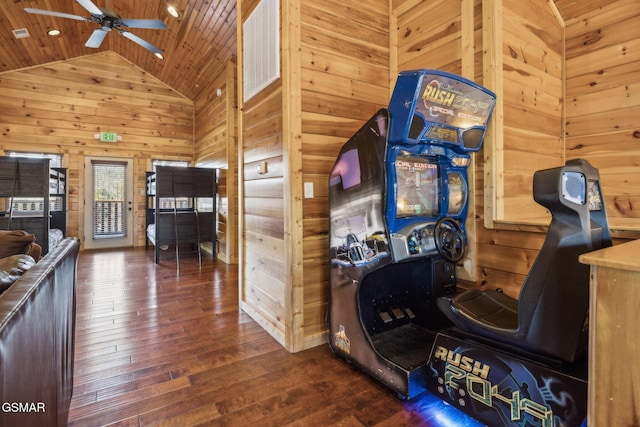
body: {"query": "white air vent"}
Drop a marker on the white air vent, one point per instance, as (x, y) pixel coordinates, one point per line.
(21, 33)
(261, 47)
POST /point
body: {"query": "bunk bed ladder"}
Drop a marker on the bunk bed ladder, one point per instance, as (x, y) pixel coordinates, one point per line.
(198, 250)
(196, 219)
(177, 222)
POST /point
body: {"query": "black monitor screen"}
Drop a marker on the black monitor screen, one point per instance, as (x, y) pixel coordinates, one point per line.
(418, 186)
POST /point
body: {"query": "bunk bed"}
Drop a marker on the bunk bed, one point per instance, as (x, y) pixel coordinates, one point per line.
(33, 199)
(181, 209)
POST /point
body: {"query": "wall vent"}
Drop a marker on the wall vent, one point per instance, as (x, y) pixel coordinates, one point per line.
(261, 47)
(21, 33)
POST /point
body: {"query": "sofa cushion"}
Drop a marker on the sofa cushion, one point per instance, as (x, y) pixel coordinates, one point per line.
(14, 242)
(12, 267)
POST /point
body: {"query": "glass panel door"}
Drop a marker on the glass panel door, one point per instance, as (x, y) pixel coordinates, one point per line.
(108, 203)
(109, 209)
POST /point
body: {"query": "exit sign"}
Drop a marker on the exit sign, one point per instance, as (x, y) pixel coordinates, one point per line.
(108, 137)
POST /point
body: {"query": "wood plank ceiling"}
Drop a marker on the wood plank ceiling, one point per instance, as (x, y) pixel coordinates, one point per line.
(571, 9)
(194, 46)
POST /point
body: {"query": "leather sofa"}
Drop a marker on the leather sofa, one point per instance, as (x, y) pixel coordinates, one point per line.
(37, 323)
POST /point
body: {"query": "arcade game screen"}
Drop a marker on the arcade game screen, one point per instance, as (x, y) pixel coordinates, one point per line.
(418, 187)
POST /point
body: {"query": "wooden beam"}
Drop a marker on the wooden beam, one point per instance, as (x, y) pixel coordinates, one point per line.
(467, 269)
(292, 153)
(493, 149)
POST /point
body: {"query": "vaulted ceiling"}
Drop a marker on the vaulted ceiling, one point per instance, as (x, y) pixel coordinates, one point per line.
(195, 46)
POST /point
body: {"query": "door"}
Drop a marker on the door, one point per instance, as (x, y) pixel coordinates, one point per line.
(108, 213)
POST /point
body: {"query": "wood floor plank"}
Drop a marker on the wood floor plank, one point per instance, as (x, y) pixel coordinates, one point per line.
(160, 347)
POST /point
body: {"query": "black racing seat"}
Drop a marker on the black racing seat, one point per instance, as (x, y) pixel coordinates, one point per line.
(549, 318)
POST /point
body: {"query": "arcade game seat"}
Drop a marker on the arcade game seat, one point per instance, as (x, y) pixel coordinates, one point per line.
(550, 316)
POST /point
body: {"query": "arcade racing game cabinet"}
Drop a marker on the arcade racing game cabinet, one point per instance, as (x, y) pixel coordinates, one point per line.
(398, 195)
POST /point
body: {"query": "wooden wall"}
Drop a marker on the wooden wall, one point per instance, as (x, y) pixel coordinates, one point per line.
(345, 80)
(526, 72)
(215, 146)
(262, 267)
(58, 108)
(532, 105)
(335, 75)
(598, 51)
(603, 102)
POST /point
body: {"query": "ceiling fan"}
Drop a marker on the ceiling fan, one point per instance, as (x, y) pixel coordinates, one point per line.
(108, 20)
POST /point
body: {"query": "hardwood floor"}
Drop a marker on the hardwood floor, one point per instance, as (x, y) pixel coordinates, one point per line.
(157, 348)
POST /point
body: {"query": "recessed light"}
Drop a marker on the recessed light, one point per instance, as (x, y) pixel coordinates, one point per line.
(159, 55)
(173, 11)
(54, 32)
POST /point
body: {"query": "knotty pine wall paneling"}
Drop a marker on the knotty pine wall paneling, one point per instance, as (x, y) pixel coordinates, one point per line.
(523, 64)
(599, 60)
(263, 281)
(334, 76)
(533, 100)
(603, 104)
(216, 146)
(262, 263)
(344, 56)
(59, 107)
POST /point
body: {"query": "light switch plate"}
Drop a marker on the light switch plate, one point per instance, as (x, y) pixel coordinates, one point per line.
(308, 190)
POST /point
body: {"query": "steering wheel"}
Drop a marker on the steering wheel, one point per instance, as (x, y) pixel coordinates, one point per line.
(450, 239)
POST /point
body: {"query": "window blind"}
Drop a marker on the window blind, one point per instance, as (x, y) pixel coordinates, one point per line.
(109, 207)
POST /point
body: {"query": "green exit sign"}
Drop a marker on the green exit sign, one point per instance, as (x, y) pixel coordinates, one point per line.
(108, 137)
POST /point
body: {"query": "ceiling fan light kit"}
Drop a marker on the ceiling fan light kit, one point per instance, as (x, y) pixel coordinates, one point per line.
(108, 20)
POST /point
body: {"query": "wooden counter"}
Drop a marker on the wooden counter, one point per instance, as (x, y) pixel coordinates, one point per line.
(614, 335)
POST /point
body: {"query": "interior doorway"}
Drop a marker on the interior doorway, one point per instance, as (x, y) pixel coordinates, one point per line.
(108, 213)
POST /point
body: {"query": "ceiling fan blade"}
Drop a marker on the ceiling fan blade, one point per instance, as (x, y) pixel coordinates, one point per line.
(91, 8)
(140, 41)
(96, 38)
(57, 14)
(155, 24)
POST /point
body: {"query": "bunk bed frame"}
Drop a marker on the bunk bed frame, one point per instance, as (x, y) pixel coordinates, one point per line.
(175, 215)
(33, 199)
